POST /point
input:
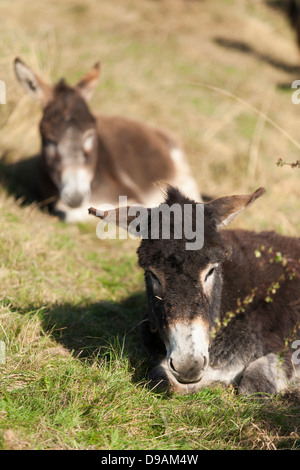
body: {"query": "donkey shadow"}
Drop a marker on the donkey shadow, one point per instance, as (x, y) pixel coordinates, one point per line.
(241, 46)
(21, 179)
(91, 330)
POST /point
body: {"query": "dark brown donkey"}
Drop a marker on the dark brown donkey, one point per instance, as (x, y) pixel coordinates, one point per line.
(224, 312)
(87, 159)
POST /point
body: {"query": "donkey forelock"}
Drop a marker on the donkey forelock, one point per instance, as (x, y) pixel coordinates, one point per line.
(66, 108)
(173, 250)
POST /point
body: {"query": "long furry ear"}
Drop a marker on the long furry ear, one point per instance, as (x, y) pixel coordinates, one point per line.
(225, 209)
(112, 216)
(133, 219)
(88, 83)
(35, 87)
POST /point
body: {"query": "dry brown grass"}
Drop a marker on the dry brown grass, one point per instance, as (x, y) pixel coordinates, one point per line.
(156, 57)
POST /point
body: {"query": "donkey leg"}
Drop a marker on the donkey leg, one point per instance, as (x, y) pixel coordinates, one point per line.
(266, 375)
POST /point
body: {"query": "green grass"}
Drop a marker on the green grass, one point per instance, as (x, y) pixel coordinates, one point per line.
(75, 375)
(51, 399)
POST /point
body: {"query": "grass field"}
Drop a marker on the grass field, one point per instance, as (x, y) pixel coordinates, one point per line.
(217, 74)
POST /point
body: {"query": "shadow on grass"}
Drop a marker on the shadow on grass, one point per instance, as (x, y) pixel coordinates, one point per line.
(245, 48)
(93, 329)
(22, 180)
(99, 330)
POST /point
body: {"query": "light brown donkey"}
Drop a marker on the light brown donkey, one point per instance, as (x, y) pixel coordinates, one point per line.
(91, 160)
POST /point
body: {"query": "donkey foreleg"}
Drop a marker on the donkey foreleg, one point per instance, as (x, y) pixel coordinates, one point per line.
(266, 375)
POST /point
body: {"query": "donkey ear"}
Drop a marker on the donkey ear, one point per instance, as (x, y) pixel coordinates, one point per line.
(34, 86)
(225, 209)
(126, 218)
(112, 216)
(89, 82)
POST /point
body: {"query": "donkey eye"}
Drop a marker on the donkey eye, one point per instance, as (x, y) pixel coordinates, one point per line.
(210, 272)
(88, 141)
(50, 148)
(48, 142)
(154, 278)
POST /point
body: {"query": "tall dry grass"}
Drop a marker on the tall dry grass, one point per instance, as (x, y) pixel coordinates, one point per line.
(156, 57)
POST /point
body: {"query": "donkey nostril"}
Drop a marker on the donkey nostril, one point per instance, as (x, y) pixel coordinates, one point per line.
(172, 365)
(74, 199)
(190, 370)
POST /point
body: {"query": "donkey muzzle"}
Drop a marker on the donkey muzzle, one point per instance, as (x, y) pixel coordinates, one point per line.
(74, 199)
(189, 370)
(187, 351)
(75, 187)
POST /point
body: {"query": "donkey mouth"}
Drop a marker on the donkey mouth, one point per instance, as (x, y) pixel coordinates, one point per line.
(75, 199)
(74, 203)
(189, 375)
(186, 381)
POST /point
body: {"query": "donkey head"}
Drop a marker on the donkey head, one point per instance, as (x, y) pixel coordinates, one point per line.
(184, 286)
(68, 131)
